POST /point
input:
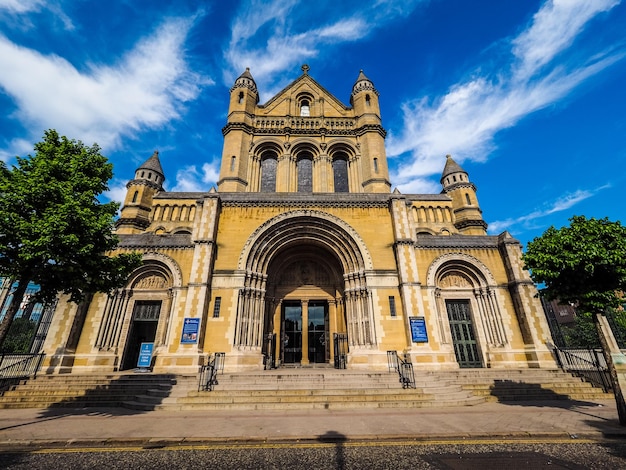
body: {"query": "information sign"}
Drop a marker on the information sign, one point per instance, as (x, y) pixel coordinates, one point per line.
(190, 331)
(145, 355)
(418, 329)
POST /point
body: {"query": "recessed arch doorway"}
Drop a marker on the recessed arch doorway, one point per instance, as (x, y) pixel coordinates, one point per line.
(305, 280)
(304, 305)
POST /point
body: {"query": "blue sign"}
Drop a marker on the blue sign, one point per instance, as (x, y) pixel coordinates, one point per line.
(145, 355)
(418, 330)
(190, 331)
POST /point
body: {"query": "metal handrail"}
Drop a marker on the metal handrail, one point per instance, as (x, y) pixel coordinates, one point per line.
(209, 371)
(590, 369)
(14, 367)
(403, 367)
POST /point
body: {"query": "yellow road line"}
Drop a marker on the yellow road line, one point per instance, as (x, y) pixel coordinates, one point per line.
(307, 445)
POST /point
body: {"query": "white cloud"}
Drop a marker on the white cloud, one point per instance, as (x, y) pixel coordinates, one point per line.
(563, 203)
(554, 28)
(20, 147)
(271, 37)
(21, 6)
(465, 120)
(190, 179)
(117, 191)
(145, 90)
(25, 7)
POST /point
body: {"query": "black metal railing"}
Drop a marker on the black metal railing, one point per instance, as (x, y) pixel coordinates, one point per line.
(340, 343)
(269, 357)
(588, 364)
(209, 371)
(403, 367)
(15, 367)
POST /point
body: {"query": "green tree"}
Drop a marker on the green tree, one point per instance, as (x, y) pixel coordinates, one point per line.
(20, 336)
(584, 263)
(53, 229)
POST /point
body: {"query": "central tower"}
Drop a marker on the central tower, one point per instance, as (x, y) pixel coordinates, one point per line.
(304, 140)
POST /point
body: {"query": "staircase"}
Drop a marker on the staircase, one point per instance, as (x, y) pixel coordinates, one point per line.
(293, 389)
(77, 391)
(523, 384)
(310, 389)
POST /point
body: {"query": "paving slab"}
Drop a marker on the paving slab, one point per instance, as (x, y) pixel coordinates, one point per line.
(122, 427)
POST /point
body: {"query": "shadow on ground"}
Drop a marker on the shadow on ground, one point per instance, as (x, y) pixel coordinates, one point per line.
(511, 392)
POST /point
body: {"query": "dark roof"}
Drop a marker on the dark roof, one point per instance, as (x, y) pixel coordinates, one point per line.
(451, 167)
(153, 163)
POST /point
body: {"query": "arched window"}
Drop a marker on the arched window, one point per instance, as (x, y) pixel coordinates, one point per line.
(340, 174)
(233, 159)
(367, 100)
(305, 174)
(305, 109)
(376, 165)
(240, 97)
(467, 198)
(135, 196)
(268, 173)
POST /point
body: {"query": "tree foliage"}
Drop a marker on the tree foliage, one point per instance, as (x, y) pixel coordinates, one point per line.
(20, 336)
(584, 263)
(53, 229)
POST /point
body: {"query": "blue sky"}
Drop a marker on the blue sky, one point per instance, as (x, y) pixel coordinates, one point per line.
(529, 96)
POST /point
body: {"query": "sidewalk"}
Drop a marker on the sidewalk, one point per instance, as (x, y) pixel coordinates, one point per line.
(121, 427)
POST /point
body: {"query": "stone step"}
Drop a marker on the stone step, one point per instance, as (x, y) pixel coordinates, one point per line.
(299, 389)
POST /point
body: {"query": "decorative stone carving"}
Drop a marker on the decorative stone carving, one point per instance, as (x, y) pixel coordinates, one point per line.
(305, 273)
(454, 281)
(151, 282)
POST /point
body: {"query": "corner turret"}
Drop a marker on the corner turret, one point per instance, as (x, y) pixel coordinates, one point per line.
(468, 217)
(148, 181)
(244, 96)
(364, 99)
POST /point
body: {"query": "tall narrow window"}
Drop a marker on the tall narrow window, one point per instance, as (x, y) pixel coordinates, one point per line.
(367, 100)
(216, 307)
(233, 159)
(392, 306)
(305, 110)
(467, 198)
(340, 174)
(268, 174)
(376, 165)
(135, 196)
(240, 97)
(305, 174)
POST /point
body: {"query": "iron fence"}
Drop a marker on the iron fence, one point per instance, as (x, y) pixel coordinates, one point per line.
(589, 364)
(340, 342)
(15, 367)
(209, 371)
(403, 367)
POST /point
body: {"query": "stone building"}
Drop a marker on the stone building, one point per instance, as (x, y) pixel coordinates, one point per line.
(303, 253)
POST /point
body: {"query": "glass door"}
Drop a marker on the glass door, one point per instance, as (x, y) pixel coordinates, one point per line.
(292, 333)
(317, 332)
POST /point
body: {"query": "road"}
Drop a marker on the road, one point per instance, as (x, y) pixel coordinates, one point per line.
(467, 455)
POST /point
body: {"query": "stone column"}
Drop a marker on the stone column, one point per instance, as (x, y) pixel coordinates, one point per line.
(305, 333)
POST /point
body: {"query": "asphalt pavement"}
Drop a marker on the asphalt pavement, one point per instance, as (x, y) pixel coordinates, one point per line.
(83, 427)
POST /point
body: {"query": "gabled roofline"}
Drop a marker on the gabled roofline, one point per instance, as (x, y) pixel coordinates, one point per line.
(299, 79)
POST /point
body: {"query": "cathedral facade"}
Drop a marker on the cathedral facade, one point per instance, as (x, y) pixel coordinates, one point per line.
(304, 257)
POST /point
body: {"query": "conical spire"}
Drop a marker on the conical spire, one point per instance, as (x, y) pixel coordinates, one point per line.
(451, 167)
(153, 164)
(363, 84)
(245, 80)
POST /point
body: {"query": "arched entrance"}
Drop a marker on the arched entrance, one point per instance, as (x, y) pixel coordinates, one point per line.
(139, 313)
(468, 310)
(304, 305)
(304, 281)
